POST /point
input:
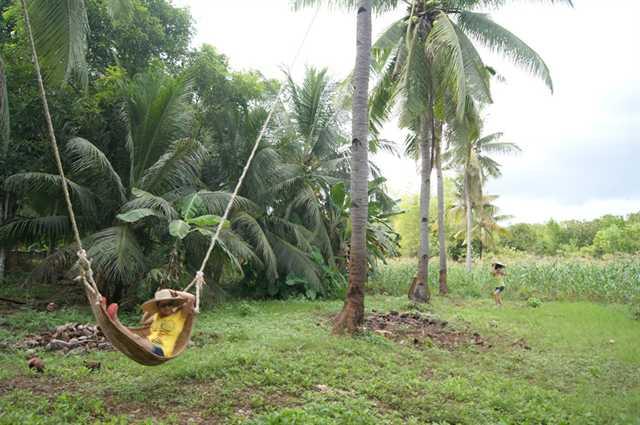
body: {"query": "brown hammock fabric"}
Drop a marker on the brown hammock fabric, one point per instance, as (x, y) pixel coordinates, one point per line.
(130, 341)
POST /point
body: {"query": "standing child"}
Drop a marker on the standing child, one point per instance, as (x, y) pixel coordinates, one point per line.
(498, 271)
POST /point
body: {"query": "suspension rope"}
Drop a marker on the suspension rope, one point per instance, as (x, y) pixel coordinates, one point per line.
(85, 264)
(199, 278)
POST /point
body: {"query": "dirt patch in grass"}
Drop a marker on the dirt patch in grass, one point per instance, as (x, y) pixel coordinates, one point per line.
(135, 412)
(419, 329)
(37, 384)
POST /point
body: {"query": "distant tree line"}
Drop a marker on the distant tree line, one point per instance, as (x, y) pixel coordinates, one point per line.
(608, 234)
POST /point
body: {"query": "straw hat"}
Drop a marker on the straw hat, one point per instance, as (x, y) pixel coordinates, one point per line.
(151, 306)
(498, 264)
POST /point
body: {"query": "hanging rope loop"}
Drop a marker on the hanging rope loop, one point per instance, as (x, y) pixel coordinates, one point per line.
(200, 282)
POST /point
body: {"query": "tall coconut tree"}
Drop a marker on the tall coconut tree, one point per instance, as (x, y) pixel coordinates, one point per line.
(471, 154)
(443, 287)
(488, 223)
(486, 220)
(427, 58)
(4, 146)
(352, 314)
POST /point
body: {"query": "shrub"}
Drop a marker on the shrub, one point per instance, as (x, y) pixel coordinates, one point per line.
(534, 302)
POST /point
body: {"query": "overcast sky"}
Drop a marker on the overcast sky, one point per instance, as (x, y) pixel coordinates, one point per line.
(580, 145)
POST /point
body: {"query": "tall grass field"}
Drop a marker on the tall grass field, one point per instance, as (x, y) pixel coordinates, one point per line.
(616, 280)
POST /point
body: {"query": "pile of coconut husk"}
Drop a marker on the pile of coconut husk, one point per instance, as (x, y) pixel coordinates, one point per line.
(422, 329)
(71, 338)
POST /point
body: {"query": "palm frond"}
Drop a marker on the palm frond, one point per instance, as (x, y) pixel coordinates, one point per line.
(379, 6)
(240, 248)
(387, 43)
(312, 107)
(116, 254)
(179, 166)
(448, 53)
(143, 199)
(51, 229)
(247, 226)
(489, 167)
(502, 41)
(416, 80)
(477, 75)
(89, 161)
(266, 170)
(50, 185)
(158, 114)
(60, 31)
(494, 4)
(382, 98)
(294, 262)
(309, 206)
(216, 202)
(489, 139)
(504, 148)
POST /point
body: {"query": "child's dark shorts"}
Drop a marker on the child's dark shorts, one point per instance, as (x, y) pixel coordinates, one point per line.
(157, 350)
(499, 289)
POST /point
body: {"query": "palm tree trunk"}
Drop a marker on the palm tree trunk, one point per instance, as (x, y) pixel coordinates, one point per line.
(352, 315)
(420, 291)
(4, 215)
(467, 205)
(444, 289)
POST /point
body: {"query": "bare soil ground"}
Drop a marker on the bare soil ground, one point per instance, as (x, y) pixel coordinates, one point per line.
(423, 329)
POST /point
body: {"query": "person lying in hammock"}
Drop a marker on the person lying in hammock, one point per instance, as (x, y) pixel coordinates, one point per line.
(167, 313)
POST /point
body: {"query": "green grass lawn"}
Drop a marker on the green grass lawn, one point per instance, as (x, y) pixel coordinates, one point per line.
(276, 363)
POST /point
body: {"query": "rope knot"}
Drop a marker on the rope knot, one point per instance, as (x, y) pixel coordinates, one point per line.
(83, 259)
(200, 278)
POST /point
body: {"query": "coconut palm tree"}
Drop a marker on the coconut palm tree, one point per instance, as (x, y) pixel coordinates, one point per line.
(427, 61)
(444, 289)
(352, 314)
(471, 154)
(5, 133)
(488, 223)
(486, 220)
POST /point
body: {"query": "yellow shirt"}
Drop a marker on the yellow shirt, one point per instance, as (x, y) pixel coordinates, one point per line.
(166, 330)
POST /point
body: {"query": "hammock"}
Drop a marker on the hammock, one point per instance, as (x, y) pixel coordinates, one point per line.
(129, 341)
(132, 342)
